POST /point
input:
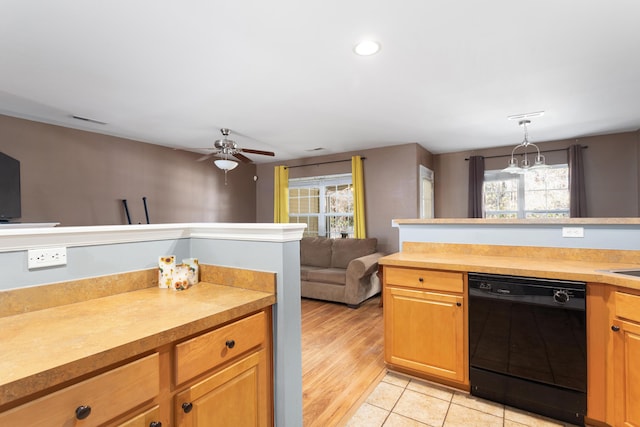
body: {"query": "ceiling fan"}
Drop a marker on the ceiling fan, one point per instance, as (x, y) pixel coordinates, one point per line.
(226, 147)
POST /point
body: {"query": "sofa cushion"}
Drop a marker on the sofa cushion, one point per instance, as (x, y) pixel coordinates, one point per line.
(315, 251)
(345, 250)
(305, 269)
(336, 276)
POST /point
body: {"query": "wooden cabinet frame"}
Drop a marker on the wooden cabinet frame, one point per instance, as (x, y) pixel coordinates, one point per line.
(425, 325)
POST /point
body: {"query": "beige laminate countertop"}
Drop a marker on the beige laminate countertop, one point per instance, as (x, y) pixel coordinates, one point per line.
(45, 348)
(539, 264)
(519, 221)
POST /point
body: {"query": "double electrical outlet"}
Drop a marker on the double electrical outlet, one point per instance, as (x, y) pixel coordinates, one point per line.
(47, 257)
(572, 231)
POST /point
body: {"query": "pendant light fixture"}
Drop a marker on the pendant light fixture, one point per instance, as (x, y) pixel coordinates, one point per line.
(525, 165)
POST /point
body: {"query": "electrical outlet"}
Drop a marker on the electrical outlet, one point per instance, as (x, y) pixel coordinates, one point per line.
(572, 231)
(48, 257)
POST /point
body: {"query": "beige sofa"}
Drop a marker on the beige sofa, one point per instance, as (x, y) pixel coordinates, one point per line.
(339, 270)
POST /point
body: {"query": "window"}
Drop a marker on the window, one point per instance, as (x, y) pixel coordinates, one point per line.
(324, 203)
(426, 192)
(542, 193)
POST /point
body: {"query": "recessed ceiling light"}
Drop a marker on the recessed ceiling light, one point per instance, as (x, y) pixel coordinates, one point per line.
(367, 47)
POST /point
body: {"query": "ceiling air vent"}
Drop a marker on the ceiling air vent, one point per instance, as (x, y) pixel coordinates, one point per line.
(86, 119)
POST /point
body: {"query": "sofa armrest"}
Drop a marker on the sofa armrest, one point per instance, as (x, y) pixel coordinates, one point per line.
(362, 281)
(363, 266)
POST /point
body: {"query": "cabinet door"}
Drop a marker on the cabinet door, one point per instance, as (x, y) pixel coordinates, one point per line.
(235, 396)
(424, 331)
(626, 359)
(148, 418)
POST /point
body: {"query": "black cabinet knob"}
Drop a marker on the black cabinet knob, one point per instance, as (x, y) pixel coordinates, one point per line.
(615, 328)
(187, 407)
(420, 279)
(83, 412)
(155, 424)
(230, 344)
(459, 304)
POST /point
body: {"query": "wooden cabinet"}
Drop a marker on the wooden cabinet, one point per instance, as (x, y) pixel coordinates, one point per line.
(234, 396)
(625, 330)
(425, 323)
(237, 389)
(207, 351)
(93, 401)
(149, 418)
(223, 377)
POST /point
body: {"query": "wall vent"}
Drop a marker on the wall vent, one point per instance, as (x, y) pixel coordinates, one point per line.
(86, 119)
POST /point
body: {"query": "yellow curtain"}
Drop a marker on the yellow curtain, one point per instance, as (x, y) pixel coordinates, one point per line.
(281, 195)
(357, 176)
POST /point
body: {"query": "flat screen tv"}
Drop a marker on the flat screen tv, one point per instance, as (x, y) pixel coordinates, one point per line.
(10, 207)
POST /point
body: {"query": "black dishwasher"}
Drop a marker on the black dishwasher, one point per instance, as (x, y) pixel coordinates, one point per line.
(527, 344)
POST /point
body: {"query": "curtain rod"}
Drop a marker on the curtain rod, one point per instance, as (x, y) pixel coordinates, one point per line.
(541, 151)
(321, 163)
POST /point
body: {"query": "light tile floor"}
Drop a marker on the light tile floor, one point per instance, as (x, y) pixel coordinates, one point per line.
(400, 401)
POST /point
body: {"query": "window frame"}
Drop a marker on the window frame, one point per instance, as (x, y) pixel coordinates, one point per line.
(322, 182)
(427, 206)
(520, 212)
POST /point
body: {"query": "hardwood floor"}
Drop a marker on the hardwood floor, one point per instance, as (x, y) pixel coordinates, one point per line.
(342, 357)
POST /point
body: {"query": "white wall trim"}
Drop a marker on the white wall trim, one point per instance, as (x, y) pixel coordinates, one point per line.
(17, 239)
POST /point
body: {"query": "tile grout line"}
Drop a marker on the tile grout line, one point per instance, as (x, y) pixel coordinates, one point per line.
(450, 402)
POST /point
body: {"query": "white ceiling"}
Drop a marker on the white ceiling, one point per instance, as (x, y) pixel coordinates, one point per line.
(282, 74)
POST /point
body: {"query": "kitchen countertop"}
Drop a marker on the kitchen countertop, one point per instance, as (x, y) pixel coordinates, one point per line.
(520, 221)
(45, 348)
(553, 263)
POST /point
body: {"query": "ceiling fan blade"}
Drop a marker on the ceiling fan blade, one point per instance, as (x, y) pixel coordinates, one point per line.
(245, 159)
(264, 153)
(203, 158)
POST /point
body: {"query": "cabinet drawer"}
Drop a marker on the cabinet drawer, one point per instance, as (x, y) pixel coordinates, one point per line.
(199, 354)
(437, 280)
(108, 395)
(628, 306)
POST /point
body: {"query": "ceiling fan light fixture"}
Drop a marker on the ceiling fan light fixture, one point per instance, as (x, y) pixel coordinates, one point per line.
(367, 48)
(225, 165)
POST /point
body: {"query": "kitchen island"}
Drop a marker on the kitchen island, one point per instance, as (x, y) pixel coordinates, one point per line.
(432, 277)
(104, 255)
(57, 352)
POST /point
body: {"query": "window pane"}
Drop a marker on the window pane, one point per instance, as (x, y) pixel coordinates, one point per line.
(304, 200)
(311, 221)
(535, 194)
(501, 195)
(336, 225)
(497, 215)
(324, 203)
(339, 198)
(547, 190)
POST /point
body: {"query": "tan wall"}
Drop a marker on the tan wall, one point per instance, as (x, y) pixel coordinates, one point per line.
(390, 179)
(79, 178)
(612, 177)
